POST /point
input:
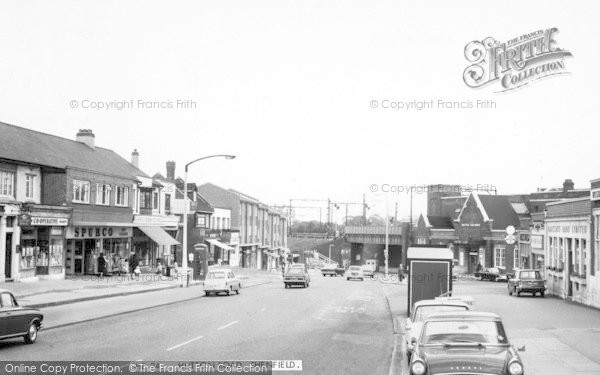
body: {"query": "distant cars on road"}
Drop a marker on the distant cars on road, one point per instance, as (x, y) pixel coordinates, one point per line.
(18, 321)
(493, 274)
(296, 276)
(221, 281)
(527, 281)
(464, 342)
(354, 272)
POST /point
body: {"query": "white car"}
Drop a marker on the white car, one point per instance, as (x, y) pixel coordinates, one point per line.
(354, 272)
(221, 281)
(420, 310)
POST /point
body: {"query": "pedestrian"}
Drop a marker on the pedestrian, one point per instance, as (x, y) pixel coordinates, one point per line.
(159, 267)
(133, 263)
(101, 265)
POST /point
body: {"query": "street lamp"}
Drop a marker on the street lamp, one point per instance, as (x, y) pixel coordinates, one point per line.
(184, 263)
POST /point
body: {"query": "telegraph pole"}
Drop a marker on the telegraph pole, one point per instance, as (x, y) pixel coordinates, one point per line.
(364, 211)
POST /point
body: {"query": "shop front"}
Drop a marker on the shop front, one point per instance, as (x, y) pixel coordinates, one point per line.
(219, 253)
(153, 244)
(42, 242)
(86, 243)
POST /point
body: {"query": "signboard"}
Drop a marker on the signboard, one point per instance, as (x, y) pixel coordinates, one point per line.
(510, 239)
(49, 221)
(537, 241)
(161, 221)
(99, 232)
(24, 220)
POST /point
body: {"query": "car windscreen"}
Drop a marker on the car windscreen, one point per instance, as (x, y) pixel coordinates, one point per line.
(477, 331)
(422, 311)
(530, 275)
(216, 275)
(295, 271)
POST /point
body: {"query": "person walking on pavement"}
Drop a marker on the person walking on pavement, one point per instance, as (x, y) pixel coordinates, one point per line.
(101, 265)
(133, 263)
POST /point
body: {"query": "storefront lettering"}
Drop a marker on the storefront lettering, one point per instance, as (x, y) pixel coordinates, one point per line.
(92, 232)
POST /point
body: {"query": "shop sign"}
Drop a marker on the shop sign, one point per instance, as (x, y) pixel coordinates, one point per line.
(49, 221)
(537, 242)
(162, 221)
(99, 232)
(234, 239)
(24, 220)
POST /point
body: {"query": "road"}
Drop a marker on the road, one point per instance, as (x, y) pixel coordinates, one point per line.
(335, 327)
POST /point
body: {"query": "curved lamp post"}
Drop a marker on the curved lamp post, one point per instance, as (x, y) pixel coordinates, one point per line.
(184, 263)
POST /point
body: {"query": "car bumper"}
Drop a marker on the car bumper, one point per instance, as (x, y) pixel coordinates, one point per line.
(532, 289)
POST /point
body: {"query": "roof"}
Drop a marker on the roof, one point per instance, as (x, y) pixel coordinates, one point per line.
(442, 222)
(499, 209)
(29, 146)
(569, 208)
(451, 315)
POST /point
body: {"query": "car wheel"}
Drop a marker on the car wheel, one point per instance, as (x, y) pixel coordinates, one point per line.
(32, 333)
(361, 279)
(286, 286)
(518, 294)
(207, 294)
(347, 278)
(228, 292)
(542, 294)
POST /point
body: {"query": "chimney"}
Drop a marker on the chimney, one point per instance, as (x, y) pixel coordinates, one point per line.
(170, 170)
(87, 137)
(568, 185)
(135, 158)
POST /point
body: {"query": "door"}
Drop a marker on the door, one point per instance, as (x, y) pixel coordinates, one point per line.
(8, 258)
(9, 316)
(89, 247)
(78, 257)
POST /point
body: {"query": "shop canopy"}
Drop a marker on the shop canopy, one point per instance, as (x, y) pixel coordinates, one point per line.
(158, 235)
(219, 244)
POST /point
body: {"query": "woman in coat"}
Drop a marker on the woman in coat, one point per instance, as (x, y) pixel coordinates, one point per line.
(101, 265)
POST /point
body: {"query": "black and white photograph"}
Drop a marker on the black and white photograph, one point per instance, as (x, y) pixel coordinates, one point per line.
(295, 187)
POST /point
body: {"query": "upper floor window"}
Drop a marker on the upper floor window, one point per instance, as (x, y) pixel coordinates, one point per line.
(167, 203)
(122, 196)
(29, 184)
(156, 200)
(7, 184)
(500, 257)
(103, 194)
(145, 199)
(81, 191)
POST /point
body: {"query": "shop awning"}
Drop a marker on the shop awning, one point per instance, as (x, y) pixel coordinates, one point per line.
(158, 235)
(220, 244)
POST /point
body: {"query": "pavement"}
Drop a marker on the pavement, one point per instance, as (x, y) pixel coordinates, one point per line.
(76, 289)
(335, 327)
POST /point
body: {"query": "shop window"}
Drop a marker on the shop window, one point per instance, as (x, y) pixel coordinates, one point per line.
(81, 191)
(122, 196)
(7, 184)
(29, 186)
(103, 194)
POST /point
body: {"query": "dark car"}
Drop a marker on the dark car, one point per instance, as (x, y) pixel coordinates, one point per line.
(465, 342)
(17, 321)
(296, 276)
(527, 281)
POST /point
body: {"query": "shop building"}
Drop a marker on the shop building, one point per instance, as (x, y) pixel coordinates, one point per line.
(594, 261)
(568, 228)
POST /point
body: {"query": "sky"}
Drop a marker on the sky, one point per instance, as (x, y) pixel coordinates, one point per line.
(288, 87)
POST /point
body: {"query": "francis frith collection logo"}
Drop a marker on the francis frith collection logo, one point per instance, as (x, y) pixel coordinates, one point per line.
(514, 63)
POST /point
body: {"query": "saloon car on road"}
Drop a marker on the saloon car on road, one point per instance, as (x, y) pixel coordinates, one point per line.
(296, 276)
(527, 281)
(221, 281)
(465, 342)
(354, 273)
(17, 321)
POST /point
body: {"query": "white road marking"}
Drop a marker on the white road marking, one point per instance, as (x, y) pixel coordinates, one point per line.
(228, 325)
(184, 343)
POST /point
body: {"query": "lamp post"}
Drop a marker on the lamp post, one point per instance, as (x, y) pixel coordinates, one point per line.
(184, 262)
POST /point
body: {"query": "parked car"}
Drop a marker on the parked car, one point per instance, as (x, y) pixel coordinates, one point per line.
(493, 274)
(18, 321)
(296, 276)
(452, 342)
(420, 311)
(527, 281)
(354, 272)
(369, 268)
(221, 281)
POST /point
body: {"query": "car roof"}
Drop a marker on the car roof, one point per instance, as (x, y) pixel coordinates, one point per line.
(463, 315)
(436, 302)
(5, 290)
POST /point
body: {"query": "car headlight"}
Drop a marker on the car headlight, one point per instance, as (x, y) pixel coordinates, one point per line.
(515, 368)
(417, 368)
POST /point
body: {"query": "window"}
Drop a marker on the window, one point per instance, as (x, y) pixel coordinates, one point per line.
(122, 196)
(7, 184)
(29, 183)
(218, 223)
(500, 257)
(145, 199)
(103, 194)
(6, 300)
(156, 200)
(81, 191)
(516, 260)
(167, 203)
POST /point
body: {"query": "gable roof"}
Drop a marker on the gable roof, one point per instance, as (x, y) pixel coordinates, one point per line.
(499, 209)
(29, 146)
